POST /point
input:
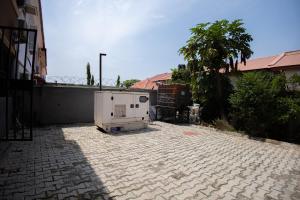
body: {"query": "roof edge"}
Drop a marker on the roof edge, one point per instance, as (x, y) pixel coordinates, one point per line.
(277, 59)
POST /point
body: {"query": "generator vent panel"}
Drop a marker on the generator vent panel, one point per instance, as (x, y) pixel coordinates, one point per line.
(120, 110)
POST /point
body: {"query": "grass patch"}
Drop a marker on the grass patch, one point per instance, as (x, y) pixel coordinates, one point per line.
(223, 125)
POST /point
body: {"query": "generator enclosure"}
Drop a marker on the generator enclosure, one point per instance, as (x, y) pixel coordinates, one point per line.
(121, 110)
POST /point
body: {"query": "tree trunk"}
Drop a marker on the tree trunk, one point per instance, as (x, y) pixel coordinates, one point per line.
(220, 96)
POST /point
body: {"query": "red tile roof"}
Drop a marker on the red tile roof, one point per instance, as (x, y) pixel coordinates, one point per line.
(254, 64)
(286, 59)
(151, 83)
(291, 58)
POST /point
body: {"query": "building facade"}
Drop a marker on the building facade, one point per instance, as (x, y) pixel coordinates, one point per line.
(23, 14)
(23, 64)
(286, 62)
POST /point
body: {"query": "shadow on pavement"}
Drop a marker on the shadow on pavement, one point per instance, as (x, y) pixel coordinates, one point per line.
(49, 167)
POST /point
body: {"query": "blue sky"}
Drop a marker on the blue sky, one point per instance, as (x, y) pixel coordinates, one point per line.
(142, 37)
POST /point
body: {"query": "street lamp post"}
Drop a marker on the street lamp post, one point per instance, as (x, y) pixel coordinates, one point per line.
(100, 72)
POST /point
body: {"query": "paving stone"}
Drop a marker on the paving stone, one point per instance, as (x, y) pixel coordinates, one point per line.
(80, 162)
(207, 191)
(273, 194)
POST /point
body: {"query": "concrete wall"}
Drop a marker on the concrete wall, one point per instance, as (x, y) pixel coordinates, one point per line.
(65, 104)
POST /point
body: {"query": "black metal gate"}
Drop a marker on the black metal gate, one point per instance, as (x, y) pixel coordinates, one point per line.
(17, 66)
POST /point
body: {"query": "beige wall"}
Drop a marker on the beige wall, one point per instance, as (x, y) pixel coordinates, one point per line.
(233, 79)
(289, 72)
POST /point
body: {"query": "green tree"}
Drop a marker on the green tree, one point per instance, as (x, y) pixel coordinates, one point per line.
(92, 80)
(118, 82)
(181, 74)
(262, 106)
(130, 82)
(88, 74)
(213, 50)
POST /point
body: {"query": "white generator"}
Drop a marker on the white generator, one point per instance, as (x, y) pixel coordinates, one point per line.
(121, 111)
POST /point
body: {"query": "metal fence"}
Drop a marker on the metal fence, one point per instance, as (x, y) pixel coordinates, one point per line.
(17, 58)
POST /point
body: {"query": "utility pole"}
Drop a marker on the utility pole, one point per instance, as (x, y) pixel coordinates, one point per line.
(100, 72)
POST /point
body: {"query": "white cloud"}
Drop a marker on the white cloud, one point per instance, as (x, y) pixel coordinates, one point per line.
(108, 22)
(84, 28)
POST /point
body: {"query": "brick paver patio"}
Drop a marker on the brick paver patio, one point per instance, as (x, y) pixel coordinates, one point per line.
(163, 162)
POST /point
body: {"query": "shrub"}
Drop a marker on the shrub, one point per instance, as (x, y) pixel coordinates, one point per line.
(262, 106)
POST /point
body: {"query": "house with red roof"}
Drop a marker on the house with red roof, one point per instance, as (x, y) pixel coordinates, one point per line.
(152, 82)
(287, 62)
